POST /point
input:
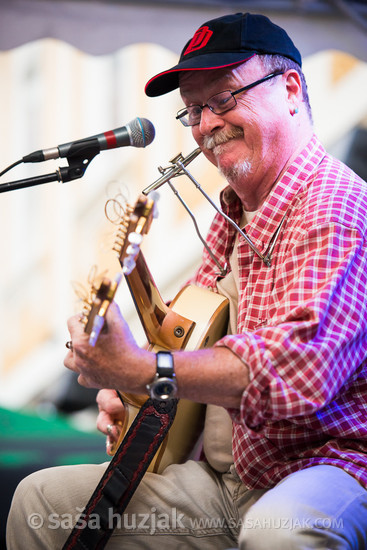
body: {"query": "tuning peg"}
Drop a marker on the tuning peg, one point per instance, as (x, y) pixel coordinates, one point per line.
(128, 265)
(132, 250)
(155, 196)
(135, 239)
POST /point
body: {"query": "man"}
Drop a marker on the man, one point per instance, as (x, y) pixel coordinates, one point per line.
(291, 372)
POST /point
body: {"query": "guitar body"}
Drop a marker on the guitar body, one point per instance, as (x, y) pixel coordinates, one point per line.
(195, 319)
(210, 324)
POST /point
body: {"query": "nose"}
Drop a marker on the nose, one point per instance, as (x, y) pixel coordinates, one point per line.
(209, 121)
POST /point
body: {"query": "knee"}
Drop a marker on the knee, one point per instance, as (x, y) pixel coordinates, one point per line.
(33, 484)
(24, 496)
(266, 526)
(20, 511)
(278, 525)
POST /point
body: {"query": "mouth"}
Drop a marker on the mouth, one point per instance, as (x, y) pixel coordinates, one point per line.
(220, 148)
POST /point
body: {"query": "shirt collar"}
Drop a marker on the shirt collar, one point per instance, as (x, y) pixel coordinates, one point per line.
(271, 213)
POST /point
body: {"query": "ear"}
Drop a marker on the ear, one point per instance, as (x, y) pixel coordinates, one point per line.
(294, 90)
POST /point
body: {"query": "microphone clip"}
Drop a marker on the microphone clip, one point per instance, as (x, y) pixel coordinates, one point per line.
(79, 157)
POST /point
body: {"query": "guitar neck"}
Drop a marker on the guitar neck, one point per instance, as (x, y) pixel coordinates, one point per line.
(163, 327)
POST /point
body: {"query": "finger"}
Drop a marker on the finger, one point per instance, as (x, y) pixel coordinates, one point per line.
(104, 396)
(111, 441)
(76, 330)
(103, 420)
(69, 361)
(106, 423)
(114, 317)
(86, 382)
(114, 430)
(74, 322)
(114, 310)
(108, 401)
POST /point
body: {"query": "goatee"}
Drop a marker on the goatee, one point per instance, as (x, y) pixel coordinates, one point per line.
(213, 143)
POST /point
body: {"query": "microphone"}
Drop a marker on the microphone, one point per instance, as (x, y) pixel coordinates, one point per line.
(139, 132)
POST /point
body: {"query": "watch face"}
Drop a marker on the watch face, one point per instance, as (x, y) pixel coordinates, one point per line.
(164, 388)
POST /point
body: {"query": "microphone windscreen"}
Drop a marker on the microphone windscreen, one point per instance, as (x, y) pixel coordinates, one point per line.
(142, 132)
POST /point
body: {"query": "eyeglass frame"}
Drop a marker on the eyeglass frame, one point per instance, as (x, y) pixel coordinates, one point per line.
(184, 111)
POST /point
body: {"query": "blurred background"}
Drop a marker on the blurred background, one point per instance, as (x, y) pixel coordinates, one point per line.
(71, 69)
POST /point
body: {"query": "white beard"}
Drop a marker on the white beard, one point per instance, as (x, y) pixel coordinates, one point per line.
(236, 171)
(214, 143)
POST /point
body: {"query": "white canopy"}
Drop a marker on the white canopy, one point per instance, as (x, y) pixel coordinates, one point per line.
(103, 27)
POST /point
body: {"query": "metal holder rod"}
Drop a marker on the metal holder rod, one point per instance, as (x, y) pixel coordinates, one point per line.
(170, 172)
(178, 169)
(266, 259)
(222, 270)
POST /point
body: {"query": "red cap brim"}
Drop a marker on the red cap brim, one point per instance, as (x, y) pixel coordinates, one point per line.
(167, 81)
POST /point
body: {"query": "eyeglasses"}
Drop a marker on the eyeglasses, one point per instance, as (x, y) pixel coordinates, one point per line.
(218, 103)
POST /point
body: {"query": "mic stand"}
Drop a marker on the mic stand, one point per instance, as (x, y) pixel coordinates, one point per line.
(78, 163)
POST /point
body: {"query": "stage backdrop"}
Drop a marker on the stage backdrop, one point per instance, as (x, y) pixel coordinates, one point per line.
(73, 69)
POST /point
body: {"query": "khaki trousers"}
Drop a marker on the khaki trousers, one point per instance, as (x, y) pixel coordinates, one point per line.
(193, 506)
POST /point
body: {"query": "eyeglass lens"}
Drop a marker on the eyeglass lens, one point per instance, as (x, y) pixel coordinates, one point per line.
(218, 103)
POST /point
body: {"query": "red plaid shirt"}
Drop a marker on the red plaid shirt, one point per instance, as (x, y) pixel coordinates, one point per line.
(302, 323)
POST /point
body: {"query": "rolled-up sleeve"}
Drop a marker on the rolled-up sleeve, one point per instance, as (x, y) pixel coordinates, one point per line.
(314, 335)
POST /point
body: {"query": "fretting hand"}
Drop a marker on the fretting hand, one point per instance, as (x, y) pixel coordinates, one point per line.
(116, 361)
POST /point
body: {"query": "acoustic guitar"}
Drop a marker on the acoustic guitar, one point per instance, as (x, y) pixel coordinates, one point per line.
(195, 319)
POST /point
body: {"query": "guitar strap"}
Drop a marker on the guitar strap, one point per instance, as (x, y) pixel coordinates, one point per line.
(122, 476)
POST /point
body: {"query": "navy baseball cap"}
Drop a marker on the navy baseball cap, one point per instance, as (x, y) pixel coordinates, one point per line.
(223, 42)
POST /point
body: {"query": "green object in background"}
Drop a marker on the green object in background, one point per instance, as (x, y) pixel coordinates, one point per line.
(29, 443)
(27, 439)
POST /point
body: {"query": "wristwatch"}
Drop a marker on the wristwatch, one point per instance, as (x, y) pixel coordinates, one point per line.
(164, 385)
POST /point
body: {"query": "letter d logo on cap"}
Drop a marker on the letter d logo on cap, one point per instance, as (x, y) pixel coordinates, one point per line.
(199, 40)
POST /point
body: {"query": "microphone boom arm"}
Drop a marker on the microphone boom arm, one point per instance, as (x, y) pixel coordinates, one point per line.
(78, 159)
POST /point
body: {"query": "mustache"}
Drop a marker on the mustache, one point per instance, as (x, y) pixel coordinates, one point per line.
(222, 136)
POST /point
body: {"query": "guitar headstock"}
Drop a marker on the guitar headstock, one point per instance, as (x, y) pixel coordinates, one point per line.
(95, 309)
(134, 224)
